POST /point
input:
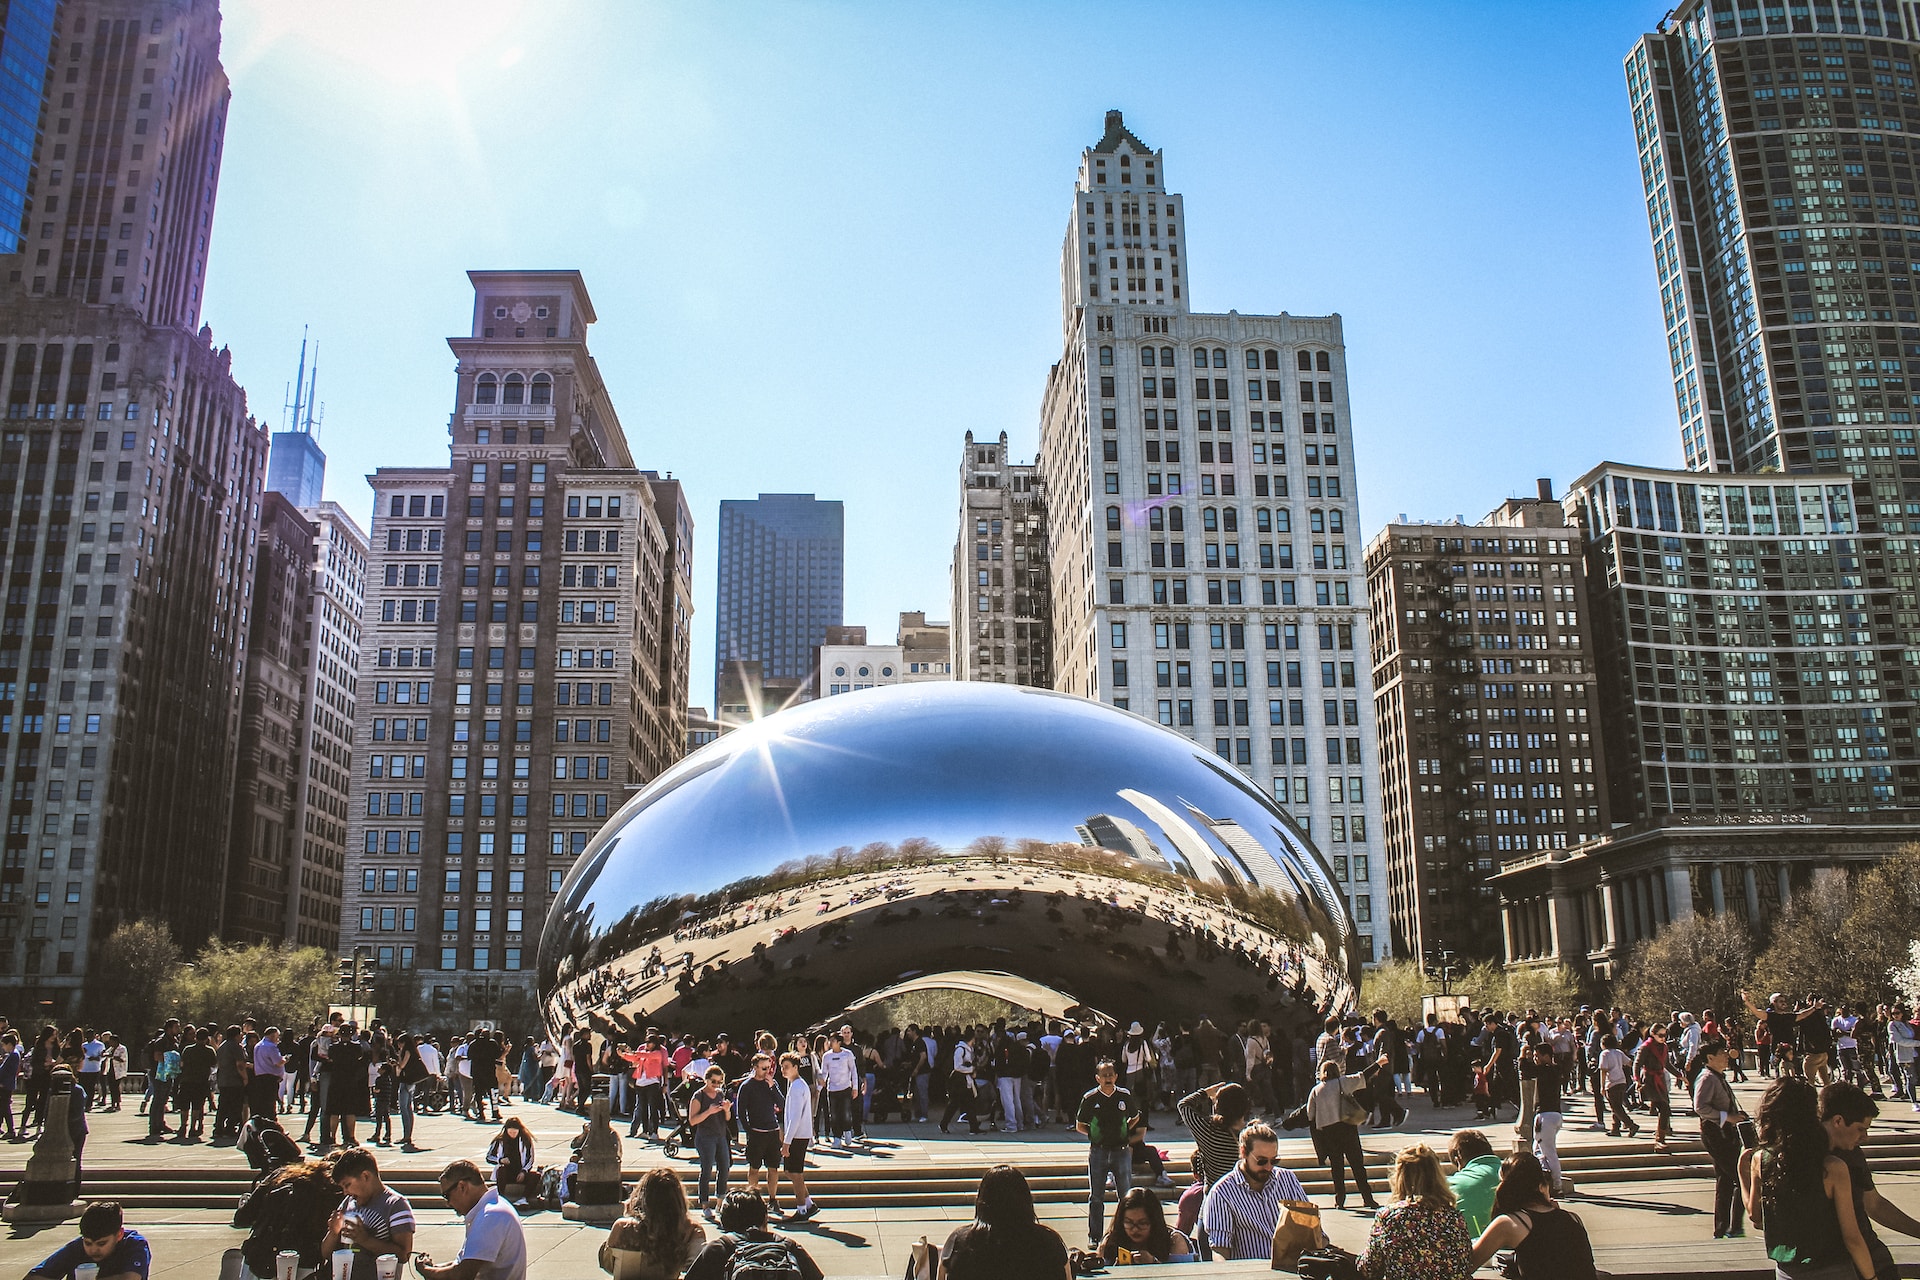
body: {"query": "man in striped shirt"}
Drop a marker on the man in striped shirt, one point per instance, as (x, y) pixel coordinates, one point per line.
(1243, 1208)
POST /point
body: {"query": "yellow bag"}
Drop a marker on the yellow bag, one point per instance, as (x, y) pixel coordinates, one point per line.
(1297, 1231)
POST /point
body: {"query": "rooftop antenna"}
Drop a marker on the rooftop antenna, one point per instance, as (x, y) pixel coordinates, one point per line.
(300, 380)
(313, 384)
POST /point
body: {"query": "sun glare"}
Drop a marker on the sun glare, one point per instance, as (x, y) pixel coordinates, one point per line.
(410, 44)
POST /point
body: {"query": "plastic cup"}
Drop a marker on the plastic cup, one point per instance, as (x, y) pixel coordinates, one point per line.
(86, 1271)
(286, 1264)
(343, 1264)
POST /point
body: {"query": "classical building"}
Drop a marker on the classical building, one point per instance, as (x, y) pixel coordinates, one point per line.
(1774, 150)
(130, 482)
(1752, 639)
(847, 662)
(1204, 530)
(1001, 609)
(1483, 683)
(781, 585)
(524, 661)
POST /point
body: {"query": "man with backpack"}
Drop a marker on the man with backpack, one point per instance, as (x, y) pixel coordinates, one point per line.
(746, 1250)
(163, 1067)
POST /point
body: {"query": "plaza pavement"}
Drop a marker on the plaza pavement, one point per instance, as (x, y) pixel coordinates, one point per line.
(1657, 1227)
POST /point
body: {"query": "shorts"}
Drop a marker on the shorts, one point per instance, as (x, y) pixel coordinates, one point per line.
(796, 1158)
(763, 1148)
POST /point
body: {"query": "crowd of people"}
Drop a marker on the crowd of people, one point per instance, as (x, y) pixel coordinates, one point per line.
(766, 1103)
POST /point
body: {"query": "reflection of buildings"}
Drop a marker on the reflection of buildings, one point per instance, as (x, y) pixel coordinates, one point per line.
(529, 601)
(1483, 679)
(1000, 602)
(1107, 831)
(780, 585)
(1199, 475)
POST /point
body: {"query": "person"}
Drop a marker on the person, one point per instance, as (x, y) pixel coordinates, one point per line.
(163, 1066)
(708, 1112)
(1336, 1135)
(1005, 1241)
(197, 1063)
(372, 1218)
(115, 1068)
(1847, 1113)
(1548, 1082)
(1475, 1176)
(1799, 1193)
(105, 1242)
(838, 1068)
(10, 1060)
(1107, 1116)
(514, 1172)
(960, 1090)
(1243, 1208)
(796, 1131)
(92, 1051)
(495, 1247)
(347, 1096)
(269, 1075)
(649, 1063)
(1139, 1235)
(744, 1237)
(291, 1208)
(1420, 1235)
(1720, 1120)
(656, 1237)
(1613, 1076)
(1546, 1240)
(759, 1101)
(1214, 1116)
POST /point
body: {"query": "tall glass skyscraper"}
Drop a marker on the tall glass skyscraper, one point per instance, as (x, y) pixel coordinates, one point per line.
(782, 582)
(26, 47)
(1777, 148)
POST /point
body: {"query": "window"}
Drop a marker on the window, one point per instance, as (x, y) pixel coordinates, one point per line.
(485, 389)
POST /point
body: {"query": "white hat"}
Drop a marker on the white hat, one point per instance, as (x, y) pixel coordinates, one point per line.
(1136, 1030)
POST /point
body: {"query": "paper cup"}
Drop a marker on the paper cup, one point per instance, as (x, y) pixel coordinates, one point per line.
(343, 1264)
(387, 1267)
(286, 1265)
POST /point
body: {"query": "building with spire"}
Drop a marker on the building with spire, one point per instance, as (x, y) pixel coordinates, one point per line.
(296, 465)
(1204, 530)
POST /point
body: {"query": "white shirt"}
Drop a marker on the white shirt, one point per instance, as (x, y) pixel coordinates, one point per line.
(798, 1123)
(1613, 1066)
(963, 1058)
(429, 1057)
(838, 1067)
(1843, 1033)
(495, 1239)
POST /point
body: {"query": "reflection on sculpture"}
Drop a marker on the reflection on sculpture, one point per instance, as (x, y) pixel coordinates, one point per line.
(800, 864)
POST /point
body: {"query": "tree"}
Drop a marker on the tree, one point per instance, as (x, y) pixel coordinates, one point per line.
(1812, 952)
(1881, 926)
(277, 984)
(131, 973)
(1396, 986)
(1552, 989)
(1698, 963)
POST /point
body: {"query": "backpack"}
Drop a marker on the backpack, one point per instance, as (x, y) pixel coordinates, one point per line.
(1432, 1045)
(761, 1260)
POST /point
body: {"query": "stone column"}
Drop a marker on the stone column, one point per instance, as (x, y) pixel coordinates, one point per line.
(45, 1193)
(598, 1190)
(1753, 896)
(1719, 888)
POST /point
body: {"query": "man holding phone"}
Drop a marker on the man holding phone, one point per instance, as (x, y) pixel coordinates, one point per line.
(1720, 1121)
(495, 1247)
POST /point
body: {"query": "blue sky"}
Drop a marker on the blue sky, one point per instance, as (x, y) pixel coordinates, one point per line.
(823, 239)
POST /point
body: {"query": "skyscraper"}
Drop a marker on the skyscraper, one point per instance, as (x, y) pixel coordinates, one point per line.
(296, 465)
(781, 584)
(1776, 155)
(26, 59)
(1001, 609)
(498, 733)
(130, 475)
(1160, 423)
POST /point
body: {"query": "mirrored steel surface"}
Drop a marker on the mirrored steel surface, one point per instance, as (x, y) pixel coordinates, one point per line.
(798, 864)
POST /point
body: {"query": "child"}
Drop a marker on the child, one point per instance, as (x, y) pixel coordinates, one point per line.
(1482, 1094)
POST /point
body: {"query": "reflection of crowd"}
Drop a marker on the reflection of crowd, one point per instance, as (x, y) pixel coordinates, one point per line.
(740, 943)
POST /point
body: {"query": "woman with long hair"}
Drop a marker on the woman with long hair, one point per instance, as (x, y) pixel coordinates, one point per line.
(1546, 1239)
(1799, 1193)
(656, 1237)
(1653, 1069)
(512, 1157)
(1005, 1241)
(1420, 1235)
(707, 1114)
(291, 1208)
(1139, 1230)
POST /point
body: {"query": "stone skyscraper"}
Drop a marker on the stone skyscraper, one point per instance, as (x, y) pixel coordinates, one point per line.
(524, 656)
(1777, 150)
(1000, 579)
(1205, 535)
(130, 478)
(781, 585)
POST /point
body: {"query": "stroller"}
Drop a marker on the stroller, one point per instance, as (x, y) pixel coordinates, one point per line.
(677, 1102)
(266, 1146)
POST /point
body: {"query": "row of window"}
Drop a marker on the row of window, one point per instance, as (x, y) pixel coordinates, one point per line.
(1155, 417)
(513, 389)
(1216, 389)
(1216, 358)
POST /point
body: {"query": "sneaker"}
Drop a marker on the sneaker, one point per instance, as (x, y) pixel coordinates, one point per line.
(1163, 1181)
(707, 1213)
(807, 1212)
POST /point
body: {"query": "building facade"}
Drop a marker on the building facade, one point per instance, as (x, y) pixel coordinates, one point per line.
(1484, 689)
(526, 612)
(130, 481)
(1780, 195)
(781, 584)
(27, 46)
(925, 648)
(1002, 614)
(1203, 525)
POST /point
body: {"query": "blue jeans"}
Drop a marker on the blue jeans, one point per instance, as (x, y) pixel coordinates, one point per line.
(619, 1093)
(716, 1156)
(406, 1114)
(1102, 1163)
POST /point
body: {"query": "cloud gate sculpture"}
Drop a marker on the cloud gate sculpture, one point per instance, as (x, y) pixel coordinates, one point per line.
(1018, 839)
